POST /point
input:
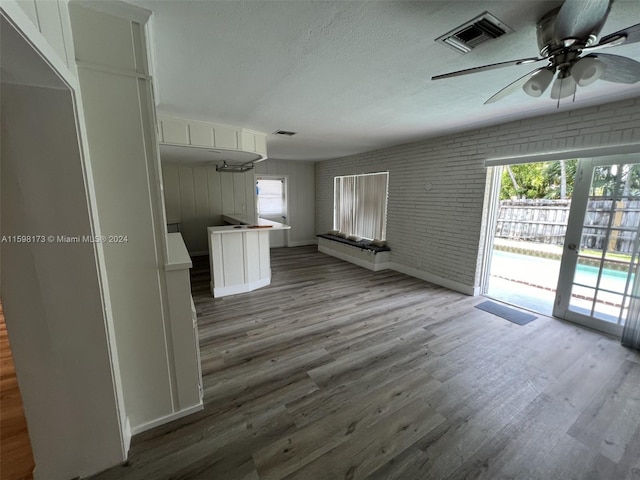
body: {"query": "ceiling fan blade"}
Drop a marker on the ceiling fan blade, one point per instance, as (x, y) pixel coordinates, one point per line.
(619, 69)
(488, 67)
(513, 87)
(578, 19)
(630, 35)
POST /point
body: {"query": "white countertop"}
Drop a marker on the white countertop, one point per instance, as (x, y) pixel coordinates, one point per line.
(237, 219)
(261, 225)
(178, 256)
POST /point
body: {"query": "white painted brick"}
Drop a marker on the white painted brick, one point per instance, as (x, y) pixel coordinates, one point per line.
(439, 231)
(596, 129)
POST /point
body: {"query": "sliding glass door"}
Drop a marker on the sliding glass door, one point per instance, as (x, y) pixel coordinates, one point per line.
(599, 265)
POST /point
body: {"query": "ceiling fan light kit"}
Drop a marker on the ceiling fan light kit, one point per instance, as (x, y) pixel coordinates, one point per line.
(587, 70)
(539, 82)
(566, 37)
(563, 87)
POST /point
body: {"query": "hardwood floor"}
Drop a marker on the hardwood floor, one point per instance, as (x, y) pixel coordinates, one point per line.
(335, 372)
(16, 457)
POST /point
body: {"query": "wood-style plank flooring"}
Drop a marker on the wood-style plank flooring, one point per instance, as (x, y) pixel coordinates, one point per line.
(16, 457)
(335, 372)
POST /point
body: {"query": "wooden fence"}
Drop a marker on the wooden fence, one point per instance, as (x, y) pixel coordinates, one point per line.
(545, 221)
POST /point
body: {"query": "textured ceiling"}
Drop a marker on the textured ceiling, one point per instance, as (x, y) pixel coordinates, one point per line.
(350, 76)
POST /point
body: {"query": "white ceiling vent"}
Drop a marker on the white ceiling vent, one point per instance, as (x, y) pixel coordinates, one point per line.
(468, 36)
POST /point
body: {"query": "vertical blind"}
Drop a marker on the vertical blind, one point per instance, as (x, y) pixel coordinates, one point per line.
(360, 205)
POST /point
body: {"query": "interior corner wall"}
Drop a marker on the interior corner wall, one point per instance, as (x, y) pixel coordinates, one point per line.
(197, 197)
(301, 197)
(436, 229)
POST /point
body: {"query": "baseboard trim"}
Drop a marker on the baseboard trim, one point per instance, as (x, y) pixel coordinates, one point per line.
(236, 289)
(302, 243)
(443, 282)
(376, 267)
(299, 243)
(167, 418)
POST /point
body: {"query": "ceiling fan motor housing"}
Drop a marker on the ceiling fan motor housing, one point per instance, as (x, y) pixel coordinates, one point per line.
(546, 34)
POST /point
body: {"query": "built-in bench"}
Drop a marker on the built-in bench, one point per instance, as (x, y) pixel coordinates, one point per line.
(361, 253)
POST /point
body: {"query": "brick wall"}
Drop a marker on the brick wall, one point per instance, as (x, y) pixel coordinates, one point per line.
(436, 233)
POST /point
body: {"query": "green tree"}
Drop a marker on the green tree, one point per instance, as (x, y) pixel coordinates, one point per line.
(624, 177)
(526, 180)
(552, 180)
(560, 186)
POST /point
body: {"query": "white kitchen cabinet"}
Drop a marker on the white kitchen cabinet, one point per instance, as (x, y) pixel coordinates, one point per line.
(239, 255)
(182, 132)
(184, 333)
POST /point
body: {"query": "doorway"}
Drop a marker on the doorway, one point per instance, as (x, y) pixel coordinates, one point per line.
(52, 289)
(574, 258)
(16, 456)
(532, 202)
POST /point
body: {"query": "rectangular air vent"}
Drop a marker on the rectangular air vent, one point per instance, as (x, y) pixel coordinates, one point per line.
(468, 36)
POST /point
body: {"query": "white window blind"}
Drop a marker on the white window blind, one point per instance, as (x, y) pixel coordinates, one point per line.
(360, 205)
(270, 196)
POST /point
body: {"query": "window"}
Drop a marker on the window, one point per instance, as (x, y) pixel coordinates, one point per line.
(360, 205)
(271, 197)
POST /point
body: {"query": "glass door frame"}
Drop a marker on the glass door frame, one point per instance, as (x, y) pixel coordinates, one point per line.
(577, 214)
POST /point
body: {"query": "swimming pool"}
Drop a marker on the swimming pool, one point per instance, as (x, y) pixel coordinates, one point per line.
(516, 277)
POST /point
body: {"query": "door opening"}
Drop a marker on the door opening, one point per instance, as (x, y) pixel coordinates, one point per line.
(52, 287)
(570, 249)
(530, 223)
(16, 456)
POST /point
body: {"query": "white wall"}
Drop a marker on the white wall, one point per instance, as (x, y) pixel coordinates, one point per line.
(51, 18)
(436, 233)
(301, 197)
(196, 197)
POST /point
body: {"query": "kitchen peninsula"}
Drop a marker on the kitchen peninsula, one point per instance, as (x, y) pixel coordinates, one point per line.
(239, 255)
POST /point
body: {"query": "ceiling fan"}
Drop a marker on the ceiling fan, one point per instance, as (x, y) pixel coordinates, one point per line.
(566, 37)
